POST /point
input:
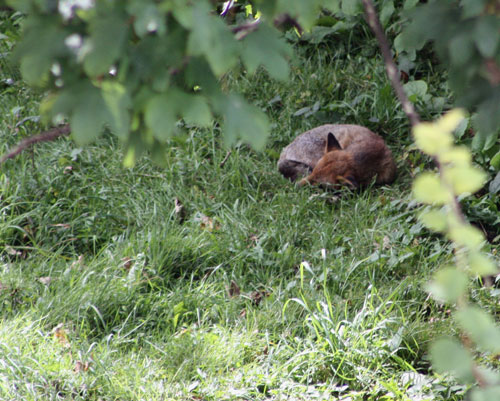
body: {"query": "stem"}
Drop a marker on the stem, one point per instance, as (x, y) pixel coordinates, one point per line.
(392, 73)
(45, 136)
(390, 67)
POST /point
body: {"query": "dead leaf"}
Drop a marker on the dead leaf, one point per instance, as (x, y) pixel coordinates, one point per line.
(81, 367)
(45, 280)
(225, 159)
(61, 335)
(61, 225)
(77, 263)
(386, 242)
(28, 231)
(253, 240)
(179, 210)
(243, 313)
(11, 251)
(207, 223)
(68, 170)
(257, 296)
(234, 289)
(127, 263)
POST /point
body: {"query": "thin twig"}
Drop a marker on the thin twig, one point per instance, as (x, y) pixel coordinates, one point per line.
(248, 27)
(390, 66)
(285, 19)
(240, 31)
(45, 136)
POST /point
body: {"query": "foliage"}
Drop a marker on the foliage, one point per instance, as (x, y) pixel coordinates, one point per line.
(138, 67)
(457, 178)
(466, 37)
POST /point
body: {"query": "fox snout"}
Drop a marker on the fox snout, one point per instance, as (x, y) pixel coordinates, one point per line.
(349, 181)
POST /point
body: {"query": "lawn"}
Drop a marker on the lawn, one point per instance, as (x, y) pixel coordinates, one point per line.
(211, 277)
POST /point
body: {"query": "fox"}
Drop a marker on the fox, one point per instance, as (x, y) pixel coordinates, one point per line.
(338, 154)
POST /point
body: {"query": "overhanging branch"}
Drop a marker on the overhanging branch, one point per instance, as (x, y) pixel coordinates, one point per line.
(390, 65)
(45, 136)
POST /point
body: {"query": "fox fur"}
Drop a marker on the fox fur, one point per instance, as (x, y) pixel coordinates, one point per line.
(335, 154)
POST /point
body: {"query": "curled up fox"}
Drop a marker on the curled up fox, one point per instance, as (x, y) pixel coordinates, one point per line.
(338, 154)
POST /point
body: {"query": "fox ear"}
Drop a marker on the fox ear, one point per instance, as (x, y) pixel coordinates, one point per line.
(332, 143)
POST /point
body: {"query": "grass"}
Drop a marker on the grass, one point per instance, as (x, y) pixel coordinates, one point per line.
(261, 291)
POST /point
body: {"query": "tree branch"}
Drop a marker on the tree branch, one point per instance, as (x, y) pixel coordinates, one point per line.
(45, 136)
(390, 66)
(392, 73)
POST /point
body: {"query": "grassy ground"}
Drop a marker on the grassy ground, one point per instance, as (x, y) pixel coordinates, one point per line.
(259, 290)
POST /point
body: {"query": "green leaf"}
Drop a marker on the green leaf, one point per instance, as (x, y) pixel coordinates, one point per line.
(487, 119)
(87, 110)
(399, 44)
(448, 285)
(417, 88)
(264, 46)
(495, 184)
(409, 4)
(211, 38)
(25, 6)
(465, 179)
(449, 356)
(457, 155)
(199, 73)
(427, 188)
(487, 35)
(89, 116)
(107, 37)
(163, 111)
(451, 120)
(461, 49)
(160, 116)
(495, 161)
(434, 220)
(352, 7)
(319, 33)
(118, 103)
(430, 138)
(43, 41)
(179, 308)
(244, 121)
(489, 393)
(467, 236)
(480, 327)
(481, 265)
(461, 128)
(305, 12)
(386, 12)
(195, 111)
(472, 8)
(148, 18)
